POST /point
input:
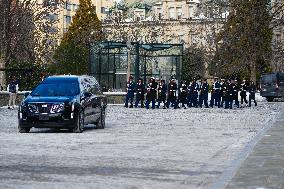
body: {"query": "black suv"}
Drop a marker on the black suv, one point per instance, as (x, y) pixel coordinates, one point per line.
(272, 86)
(63, 102)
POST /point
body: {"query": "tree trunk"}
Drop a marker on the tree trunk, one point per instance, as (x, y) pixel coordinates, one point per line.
(2, 73)
(3, 41)
(206, 71)
(253, 70)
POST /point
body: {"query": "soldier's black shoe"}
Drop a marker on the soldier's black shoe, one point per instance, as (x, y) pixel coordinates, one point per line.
(131, 106)
(142, 106)
(126, 106)
(164, 107)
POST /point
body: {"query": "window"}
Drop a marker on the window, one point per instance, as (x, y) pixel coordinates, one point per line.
(50, 29)
(67, 19)
(52, 17)
(75, 7)
(50, 3)
(159, 13)
(103, 10)
(160, 16)
(181, 38)
(179, 13)
(194, 39)
(172, 13)
(190, 11)
(68, 6)
(278, 40)
(209, 12)
(51, 42)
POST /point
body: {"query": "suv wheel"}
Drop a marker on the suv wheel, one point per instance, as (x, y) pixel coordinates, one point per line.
(101, 123)
(79, 123)
(23, 129)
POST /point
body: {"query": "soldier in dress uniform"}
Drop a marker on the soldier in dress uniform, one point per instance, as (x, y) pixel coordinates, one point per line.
(252, 91)
(215, 93)
(183, 93)
(236, 93)
(243, 92)
(203, 97)
(227, 93)
(140, 90)
(151, 93)
(230, 94)
(162, 93)
(172, 94)
(193, 93)
(223, 92)
(130, 92)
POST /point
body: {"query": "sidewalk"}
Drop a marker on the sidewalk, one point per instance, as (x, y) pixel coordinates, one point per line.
(264, 167)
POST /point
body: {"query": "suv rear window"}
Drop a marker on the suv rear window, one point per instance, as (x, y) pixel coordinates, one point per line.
(268, 79)
(56, 89)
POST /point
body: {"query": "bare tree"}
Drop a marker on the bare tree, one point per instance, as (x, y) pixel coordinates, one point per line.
(25, 28)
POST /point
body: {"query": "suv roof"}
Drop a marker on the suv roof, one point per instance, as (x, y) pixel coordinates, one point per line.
(63, 78)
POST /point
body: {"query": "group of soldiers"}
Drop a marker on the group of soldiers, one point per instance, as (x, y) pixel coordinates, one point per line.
(224, 93)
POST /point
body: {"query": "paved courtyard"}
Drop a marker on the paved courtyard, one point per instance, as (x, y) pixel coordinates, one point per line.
(139, 148)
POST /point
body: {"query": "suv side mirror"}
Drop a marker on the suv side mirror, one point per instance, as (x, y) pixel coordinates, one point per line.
(86, 95)
(26, 94)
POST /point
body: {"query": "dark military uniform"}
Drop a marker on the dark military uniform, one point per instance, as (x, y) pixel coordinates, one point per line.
(229, 96)
(236, 94)
(140, 90)
(183, 93)
(243, 94)
(215, 94)
(223, 93)
(151, 93)
(172, 94)
(162, 93)
(130, 93)
(252, 91)
(193, 94)
(203, 97)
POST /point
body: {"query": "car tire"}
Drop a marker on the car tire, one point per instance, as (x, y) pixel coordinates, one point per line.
(101, 123)
(269, 99)
(23, 129)
(79, 123)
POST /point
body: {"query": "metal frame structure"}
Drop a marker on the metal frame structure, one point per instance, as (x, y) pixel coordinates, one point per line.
(108, 59)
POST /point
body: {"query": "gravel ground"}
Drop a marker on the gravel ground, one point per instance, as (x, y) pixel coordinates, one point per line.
(139, 148)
